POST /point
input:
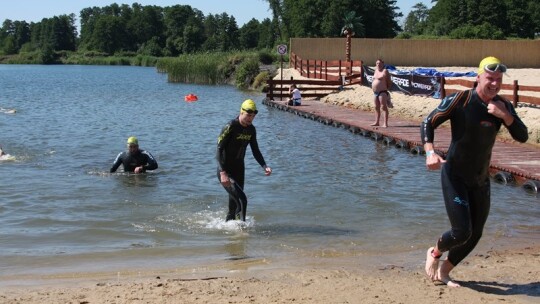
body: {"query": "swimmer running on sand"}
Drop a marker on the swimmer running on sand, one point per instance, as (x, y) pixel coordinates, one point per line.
(476, 116)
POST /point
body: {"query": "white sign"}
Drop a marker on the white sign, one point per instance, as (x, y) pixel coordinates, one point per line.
(282, 49)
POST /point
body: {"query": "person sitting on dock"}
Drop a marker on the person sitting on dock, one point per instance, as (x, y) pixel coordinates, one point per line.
(296, 96)
(476, 115)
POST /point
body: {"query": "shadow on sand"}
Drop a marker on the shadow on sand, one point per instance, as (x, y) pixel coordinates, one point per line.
(530, 289)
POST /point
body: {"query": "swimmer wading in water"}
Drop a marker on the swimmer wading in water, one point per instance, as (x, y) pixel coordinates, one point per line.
(231, 150)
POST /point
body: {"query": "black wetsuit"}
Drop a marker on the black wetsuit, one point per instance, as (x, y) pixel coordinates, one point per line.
(231, 150)
(465, 175)
(131, 161)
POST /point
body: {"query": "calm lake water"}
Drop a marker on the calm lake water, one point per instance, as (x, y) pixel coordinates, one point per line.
(332, 195)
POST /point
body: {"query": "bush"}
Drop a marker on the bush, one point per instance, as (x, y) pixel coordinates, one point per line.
(265, 57)
(404, 35)
(260, 80)
(484, 31)
(246, 72)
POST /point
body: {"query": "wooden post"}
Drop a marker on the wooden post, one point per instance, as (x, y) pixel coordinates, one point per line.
(361, 71)
(443, 90)
(325, 70)
(271, 89)
(516, 95)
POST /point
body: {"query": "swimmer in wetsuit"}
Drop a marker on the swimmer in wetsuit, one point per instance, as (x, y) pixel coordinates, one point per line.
(476, 116)
(381, 84)
(231, 150)
(134, 160)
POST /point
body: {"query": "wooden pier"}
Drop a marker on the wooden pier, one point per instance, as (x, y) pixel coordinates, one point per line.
(512, 163)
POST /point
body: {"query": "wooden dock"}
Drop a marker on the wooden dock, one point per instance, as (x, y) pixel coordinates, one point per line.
(512, 163)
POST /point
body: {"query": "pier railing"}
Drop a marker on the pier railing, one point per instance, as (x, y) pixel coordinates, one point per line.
(515, 97)
(324, 76)
(279, 89)
(348, 72)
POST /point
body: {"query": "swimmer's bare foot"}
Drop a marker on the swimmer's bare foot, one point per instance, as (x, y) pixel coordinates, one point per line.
(384, 126)
(375, 124)
(431, 265)
(443, 274)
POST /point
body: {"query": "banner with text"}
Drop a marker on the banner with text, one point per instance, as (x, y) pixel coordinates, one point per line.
(410, 84)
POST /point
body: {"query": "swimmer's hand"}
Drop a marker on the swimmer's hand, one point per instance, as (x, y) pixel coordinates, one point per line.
(434, 161)
(267, 171)
(224, 178)
(498, 109)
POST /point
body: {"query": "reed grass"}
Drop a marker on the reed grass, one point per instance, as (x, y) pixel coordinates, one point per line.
(203, 68)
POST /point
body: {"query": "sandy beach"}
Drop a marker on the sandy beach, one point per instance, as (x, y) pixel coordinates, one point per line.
(498, 275)
(495, 276)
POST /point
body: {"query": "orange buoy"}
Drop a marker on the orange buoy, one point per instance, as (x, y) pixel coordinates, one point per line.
(191, 98)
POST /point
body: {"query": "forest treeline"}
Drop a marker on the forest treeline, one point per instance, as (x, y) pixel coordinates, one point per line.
(182, 29)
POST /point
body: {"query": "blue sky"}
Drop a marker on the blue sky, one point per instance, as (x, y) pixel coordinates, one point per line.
(242, 10)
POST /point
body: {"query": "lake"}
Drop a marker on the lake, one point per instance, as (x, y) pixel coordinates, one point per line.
(333, 195)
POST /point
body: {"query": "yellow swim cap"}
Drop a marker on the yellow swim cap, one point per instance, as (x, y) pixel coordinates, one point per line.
(491, 64)
(133, 141)
(249, 106)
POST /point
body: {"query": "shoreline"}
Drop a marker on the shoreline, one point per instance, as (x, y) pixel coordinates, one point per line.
(493, 275)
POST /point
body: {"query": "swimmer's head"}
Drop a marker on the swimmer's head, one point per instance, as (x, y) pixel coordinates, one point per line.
(491, 64)
(133, 141)
(249, 106)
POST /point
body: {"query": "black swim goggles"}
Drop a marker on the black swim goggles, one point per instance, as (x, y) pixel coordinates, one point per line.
(494, 67)
(250, 111)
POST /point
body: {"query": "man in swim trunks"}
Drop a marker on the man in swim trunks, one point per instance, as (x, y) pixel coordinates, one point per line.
(134, 160)
(381, 84)
(231, 150)
(476, 116)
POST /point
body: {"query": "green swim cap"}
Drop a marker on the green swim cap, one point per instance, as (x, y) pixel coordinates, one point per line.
(248, 106)
(133, 141)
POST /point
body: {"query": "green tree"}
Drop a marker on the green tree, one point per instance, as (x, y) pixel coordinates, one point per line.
(268, 34)
(221, 32)
(320, 18)
(416, 19)
(88, 18)
(145, 24)
(14, 35)
(108, 35)
(534, 9)
(249, 34)
(176, 19)
(520, 19)
(193, 37)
